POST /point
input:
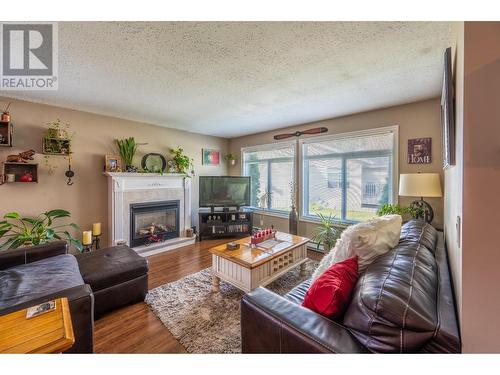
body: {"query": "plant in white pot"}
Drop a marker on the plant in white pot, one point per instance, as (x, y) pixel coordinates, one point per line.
(230, 159)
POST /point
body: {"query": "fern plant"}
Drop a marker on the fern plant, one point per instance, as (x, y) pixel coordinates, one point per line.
(127, 148)
(328, 233)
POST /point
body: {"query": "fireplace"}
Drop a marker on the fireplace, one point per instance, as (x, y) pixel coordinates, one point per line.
(153, 222)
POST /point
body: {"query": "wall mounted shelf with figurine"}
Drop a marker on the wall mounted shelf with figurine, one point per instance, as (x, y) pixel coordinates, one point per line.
(23, 173)
(5, 134)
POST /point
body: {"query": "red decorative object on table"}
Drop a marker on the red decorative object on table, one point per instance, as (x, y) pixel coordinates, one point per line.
(262, 235)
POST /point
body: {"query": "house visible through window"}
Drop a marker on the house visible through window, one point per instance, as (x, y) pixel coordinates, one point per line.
(272, 171)
(348, 176)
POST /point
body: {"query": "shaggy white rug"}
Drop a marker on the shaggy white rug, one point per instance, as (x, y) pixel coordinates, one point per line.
(207, 322)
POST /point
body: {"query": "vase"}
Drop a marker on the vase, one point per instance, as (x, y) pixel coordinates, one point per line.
(292, 221)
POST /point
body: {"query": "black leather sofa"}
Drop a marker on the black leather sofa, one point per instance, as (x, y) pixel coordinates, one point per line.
(94, 283)
(402, 303)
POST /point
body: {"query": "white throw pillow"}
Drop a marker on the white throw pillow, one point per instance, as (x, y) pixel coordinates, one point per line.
(367, 240)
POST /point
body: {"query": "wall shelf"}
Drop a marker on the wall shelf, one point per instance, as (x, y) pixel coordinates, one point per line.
(56, 146)
(18, 170)
(5, 134)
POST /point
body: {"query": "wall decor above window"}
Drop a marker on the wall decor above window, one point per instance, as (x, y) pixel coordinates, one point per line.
(420, 151)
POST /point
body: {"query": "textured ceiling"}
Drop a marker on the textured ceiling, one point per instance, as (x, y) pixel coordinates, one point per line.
(235, 78)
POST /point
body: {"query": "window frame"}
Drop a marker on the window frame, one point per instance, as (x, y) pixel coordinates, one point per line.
(304, 180)
(266, 147)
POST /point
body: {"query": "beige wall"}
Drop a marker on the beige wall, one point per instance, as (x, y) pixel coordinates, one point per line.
(415, 120)
(453, 175)
(481, 202)
(95, 137)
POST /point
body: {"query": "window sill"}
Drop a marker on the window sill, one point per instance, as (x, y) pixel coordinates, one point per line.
(280, 215)
(341, 224)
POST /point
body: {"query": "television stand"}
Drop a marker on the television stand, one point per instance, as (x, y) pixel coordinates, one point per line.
(226, 223)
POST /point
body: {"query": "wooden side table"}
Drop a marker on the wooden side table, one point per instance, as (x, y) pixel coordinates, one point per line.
(51, 332)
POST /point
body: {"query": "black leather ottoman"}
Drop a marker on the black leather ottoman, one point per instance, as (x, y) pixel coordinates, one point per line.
(117, 275)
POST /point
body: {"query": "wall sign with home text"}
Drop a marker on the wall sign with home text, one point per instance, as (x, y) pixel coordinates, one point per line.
(420, 151)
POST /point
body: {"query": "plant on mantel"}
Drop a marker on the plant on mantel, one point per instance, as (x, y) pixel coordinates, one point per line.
(127, 148)
(181, 163)
(19, 231)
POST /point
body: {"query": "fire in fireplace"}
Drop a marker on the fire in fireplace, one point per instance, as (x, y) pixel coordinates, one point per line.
(153, 222)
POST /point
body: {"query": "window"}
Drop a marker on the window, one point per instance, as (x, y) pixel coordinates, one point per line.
(272, 171)
(350, 175)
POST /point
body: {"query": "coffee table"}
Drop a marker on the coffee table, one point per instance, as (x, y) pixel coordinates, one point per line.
(250, 267)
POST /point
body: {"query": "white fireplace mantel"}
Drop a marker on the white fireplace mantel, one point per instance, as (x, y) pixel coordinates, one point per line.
(127, 188)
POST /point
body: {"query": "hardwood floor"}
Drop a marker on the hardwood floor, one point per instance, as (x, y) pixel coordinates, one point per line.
(135, 329)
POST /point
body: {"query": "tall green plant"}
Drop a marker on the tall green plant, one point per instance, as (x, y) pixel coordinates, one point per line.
(328, 233)
(127, 148)
(23, 231)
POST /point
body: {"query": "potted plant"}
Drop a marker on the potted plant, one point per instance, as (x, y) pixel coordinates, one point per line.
(230, 159)
(412, 211)
(327, 233)
(181, 163)
(127, 148)
(20, 231)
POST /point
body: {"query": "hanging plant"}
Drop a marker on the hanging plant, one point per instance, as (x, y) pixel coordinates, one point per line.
(56, 141)
(230, 159)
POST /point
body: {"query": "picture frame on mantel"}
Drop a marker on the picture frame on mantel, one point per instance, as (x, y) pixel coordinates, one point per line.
(112, 163)
(210, 157)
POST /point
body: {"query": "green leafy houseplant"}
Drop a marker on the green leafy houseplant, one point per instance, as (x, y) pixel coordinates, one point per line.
(395, 209)
(327, 233)
(127, 148)
(183, 163)
(25, 231)
(230, 158)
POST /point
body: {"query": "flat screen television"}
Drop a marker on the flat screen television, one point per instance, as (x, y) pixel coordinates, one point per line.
(224, 191)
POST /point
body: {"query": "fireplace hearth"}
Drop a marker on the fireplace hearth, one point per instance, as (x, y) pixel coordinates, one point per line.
(153, 222)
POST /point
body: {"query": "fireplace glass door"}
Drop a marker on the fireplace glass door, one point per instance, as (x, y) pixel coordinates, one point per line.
(153, 222)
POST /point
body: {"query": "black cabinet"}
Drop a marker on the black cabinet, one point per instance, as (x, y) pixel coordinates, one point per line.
(221, 224)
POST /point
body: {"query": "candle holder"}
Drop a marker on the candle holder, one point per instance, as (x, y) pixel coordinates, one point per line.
(96, 242)
(87, 248)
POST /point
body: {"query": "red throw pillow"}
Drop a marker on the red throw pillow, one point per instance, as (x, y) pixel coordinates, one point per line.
(330, 293)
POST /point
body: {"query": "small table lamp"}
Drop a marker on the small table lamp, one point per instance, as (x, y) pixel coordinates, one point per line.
(421, 185)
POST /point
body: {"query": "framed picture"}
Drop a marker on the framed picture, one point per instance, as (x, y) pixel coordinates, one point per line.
(420, 151)
(448, 113)
(112, 163)
(210, 157)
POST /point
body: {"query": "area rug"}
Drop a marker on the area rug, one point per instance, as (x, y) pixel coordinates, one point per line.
(207, 322)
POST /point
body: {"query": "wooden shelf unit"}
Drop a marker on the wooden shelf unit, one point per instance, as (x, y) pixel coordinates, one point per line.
(220, 224)
(19, 169)
(5, 134)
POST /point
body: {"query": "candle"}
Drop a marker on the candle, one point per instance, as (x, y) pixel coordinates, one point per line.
(96, 229)
(87, 237)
